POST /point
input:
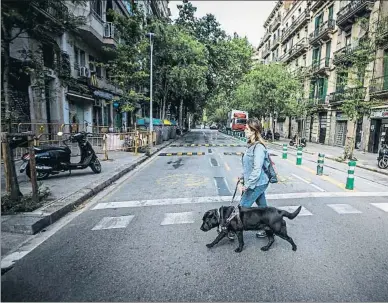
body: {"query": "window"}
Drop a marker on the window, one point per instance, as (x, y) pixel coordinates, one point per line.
(82, 58)
(97, 7)
(48, 56)
(331, 11)
(76, 57)
(92, 61)
(341, 81)
(348, 40)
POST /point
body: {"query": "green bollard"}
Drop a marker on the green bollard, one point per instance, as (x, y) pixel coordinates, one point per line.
(321, 159)
(350, 179)
(284, 151)
(299, 156)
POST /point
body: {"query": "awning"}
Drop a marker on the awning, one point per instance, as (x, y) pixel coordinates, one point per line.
(79, 96)
(166, 122)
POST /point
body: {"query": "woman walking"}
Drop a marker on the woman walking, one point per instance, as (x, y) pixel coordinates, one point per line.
(255, 161)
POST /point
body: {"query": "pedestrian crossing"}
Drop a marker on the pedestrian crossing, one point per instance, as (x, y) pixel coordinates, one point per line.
(176, 218)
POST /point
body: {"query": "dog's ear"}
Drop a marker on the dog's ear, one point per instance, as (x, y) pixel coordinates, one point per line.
(209, 213)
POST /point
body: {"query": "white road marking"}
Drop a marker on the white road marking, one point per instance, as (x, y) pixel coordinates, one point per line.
(178, 218)
(291, 209)
(308, 182)
(382, 206)
(113, 222)
(223, 199)
(344, 209)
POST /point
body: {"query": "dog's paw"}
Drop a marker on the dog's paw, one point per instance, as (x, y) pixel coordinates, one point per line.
(209, 245)
(238, 250)
(264, 248)
(294, 248)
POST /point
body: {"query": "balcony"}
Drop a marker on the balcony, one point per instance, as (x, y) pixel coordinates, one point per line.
(296, 25)
(346, 16)
(275, 43)
(378, 87)
(266, 52)
(98, 33)
(275, 24)
(321, 67)
(266, 36)
(356, 93)
(342, 55)
(54, 10)
(317, 4)
(105, 84)
(382, 32)
(323, 33)
(299, 48)
(318, 100)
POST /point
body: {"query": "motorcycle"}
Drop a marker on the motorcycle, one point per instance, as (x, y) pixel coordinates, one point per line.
(382, 159)
(51, 160)
(302, 143)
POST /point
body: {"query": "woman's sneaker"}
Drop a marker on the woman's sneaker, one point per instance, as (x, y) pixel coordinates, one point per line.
(261, 234)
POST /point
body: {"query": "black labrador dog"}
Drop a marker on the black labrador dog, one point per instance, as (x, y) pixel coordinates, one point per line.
(268, 218)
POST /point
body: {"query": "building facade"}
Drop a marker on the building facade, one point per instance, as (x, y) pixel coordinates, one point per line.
(314, 38)
(84, 98)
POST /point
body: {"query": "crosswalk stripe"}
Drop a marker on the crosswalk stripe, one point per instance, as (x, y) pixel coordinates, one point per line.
(113, 222)
(178, 218)
(344, 209)
(382, 206)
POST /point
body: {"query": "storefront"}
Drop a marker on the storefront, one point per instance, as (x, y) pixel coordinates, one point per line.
(80, 109)
(101, 110)
(378, 129)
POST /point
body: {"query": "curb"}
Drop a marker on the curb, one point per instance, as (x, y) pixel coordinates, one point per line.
(344, 162)
(32, 223)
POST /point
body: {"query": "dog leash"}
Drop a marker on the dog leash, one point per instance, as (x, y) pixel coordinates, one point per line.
(233, 214)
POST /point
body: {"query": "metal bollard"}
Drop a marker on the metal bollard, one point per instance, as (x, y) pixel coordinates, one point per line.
(284, 151)
(350, 179)
(321, 159)
(299, 156)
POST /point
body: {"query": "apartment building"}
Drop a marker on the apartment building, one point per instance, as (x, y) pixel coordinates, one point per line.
(87, 99)
(313, 38)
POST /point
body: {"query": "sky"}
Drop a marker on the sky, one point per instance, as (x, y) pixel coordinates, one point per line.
(244, 17)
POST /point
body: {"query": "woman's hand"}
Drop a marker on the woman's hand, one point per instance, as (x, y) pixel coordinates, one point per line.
(243, 188)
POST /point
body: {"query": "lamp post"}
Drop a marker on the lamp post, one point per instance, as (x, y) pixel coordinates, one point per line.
(151, 35)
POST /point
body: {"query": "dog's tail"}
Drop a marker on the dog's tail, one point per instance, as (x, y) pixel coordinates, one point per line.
(291, 215)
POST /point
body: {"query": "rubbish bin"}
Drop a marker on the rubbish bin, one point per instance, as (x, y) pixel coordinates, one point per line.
(173, 129)
(167, 126)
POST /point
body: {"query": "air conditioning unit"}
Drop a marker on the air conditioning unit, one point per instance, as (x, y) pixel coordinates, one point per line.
(84, 72)
(109, 30)
(98, 102)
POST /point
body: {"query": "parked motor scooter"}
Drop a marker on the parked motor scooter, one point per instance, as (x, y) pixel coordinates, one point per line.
(382, 159)
(302, 143)
(51, 160)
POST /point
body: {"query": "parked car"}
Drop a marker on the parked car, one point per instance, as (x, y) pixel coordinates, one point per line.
(213, 126)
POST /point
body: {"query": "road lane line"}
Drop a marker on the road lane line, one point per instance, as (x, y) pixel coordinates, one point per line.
(178, 218)
(308, 182)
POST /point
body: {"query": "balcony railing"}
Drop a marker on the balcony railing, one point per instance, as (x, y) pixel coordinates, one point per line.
(345, 15)
(322, 32)
(275, 24)
(379, 86)
(356, 93)
(275, 43)
(320, 66)
(266, 36)
(266, 52)
(54, 9)
(343, 54)
(296, 24)
(382, 31)
(316, 4)
(300, 47)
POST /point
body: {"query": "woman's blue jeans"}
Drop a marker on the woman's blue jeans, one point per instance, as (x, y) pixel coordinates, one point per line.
(254, 195)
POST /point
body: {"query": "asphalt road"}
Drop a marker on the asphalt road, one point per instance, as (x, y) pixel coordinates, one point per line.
(142, 242)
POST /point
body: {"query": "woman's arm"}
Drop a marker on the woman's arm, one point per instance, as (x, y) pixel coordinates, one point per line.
(258, 162)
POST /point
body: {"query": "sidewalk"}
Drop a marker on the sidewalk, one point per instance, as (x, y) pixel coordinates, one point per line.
(364, 160)
(67, 192)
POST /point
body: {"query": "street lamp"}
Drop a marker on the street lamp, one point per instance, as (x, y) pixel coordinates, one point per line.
(151, 35)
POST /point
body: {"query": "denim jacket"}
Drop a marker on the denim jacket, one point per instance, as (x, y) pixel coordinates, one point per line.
(253, 164)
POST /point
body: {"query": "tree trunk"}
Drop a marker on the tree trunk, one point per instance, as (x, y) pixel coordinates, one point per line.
(349, 144)
(164, 108)
(7, 107)
(181, 115)
(289, 127)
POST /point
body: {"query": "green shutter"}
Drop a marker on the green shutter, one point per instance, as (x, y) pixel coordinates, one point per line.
(331, 12)
(325, 82)
(312, 88)
(385, 64)
(328, 50)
